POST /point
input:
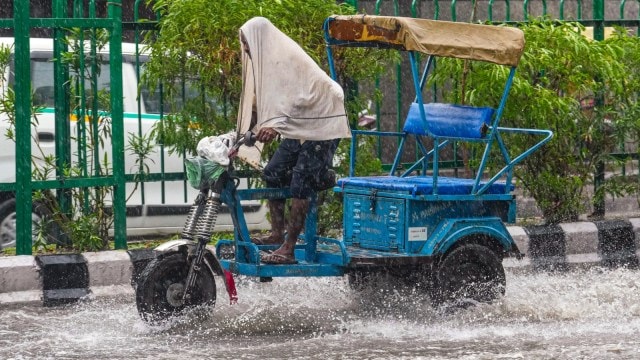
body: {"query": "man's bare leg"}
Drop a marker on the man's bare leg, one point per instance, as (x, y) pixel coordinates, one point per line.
(276, 210)
(298, 215)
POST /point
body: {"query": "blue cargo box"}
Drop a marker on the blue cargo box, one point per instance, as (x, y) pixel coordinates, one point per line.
(390, 213)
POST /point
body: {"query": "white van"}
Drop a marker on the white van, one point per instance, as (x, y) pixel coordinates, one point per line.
(156, 215)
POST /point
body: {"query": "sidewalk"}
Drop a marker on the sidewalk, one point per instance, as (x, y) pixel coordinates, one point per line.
(59, 279)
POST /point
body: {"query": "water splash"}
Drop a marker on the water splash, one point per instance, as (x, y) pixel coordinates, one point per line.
(583, 314)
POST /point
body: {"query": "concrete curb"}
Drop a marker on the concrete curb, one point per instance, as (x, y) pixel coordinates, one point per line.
(608, 243)
(60, 279)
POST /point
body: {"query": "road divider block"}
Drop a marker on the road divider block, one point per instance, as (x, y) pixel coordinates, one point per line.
(65, 278)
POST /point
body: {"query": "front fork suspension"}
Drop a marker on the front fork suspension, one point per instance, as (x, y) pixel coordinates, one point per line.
(200, 223)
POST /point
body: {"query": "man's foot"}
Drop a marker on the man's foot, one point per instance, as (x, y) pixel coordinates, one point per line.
(277, 259)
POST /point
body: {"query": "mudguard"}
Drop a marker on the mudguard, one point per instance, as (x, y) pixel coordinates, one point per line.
(211, 261)
(449, 231)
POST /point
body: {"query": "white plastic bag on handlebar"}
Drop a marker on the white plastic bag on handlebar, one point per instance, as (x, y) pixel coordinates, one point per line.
(216, 148)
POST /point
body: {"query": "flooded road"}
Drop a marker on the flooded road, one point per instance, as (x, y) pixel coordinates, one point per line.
(588, 314)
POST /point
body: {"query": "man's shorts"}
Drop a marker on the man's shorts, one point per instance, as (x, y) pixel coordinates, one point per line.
(303, 168)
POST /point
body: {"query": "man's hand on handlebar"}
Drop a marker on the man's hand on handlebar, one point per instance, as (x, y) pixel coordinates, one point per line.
(247, 139)
(265, 135)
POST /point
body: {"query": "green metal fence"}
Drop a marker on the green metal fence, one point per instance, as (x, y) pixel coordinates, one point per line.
(80, 16)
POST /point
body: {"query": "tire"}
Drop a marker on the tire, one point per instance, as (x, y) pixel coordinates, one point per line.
(161, 283)
(8, 223)
(468, 275)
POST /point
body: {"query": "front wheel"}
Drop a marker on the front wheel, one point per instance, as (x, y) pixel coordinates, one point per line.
(469, 274)
(161, 285)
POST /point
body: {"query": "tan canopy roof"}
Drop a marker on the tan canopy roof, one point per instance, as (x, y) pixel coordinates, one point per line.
(497, 44)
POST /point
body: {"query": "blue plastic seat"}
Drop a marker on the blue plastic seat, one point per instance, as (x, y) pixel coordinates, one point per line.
(420, 185)
(449, 121)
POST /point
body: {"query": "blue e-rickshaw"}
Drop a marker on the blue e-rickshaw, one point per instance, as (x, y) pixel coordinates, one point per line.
(413, 224)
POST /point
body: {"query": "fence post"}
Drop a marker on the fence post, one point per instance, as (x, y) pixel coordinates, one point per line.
(598, 35)
(61, 101)
(115, 58)
(24, 201)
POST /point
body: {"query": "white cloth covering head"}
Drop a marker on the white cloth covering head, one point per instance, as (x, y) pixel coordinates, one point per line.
(291, 93)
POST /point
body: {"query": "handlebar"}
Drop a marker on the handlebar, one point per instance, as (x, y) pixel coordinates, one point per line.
(248, 139)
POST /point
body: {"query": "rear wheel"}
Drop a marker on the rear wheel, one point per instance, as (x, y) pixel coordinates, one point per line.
(468, 275)
(161, 286)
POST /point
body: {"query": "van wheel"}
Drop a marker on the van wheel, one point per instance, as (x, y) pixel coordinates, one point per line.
(468, 275)
(8, 224)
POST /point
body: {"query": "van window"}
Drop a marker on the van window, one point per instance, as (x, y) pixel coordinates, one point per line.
(42, 80)
(42, 69)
